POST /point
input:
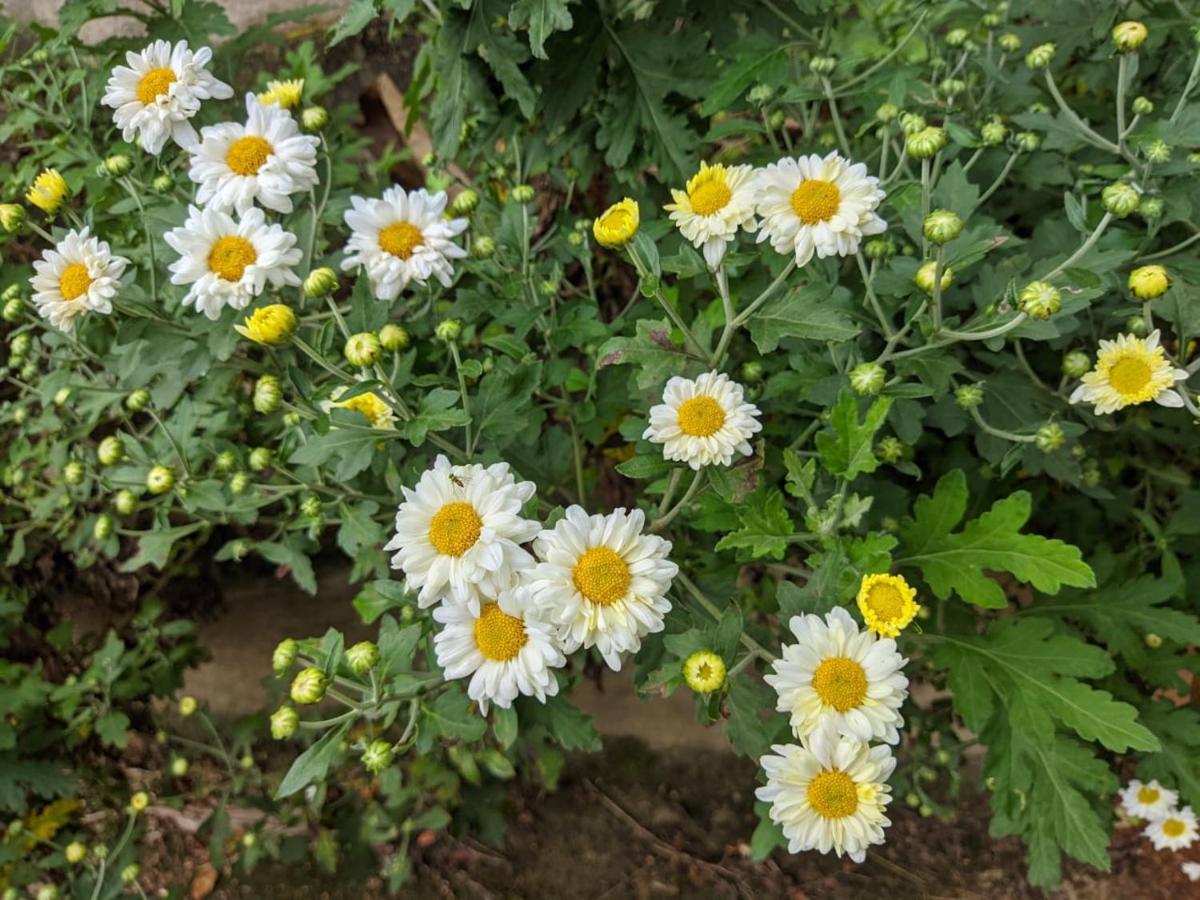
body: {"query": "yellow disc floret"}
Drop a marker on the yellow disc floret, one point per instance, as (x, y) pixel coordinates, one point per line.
(74, 281)
(1148, 795)
(455, 528)
(248, 154)
(230, 255)
(498, 635)
(833, 794)
(887, 603)
(154, 84)
(602, 576)
(708, 191)
(401, 239)
(840, 682)
(700, 416)
(816, 201)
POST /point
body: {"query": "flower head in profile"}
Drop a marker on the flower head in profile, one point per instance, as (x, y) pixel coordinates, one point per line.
(229, 262)
(718, 201)
(400, 238)
(263, 161)
(1147, 801)
(459, 532)
(602, 581)
(829, 794)
(286, 94)
(367, 404)
(1175, 830)
(703, 422)
(159, 90)
(504, 647)
(1130, 371)
(80, 275)
(818, 206)
(48, 191)
(617, 225)
(838, 674)
(887, 603)
(269, 325)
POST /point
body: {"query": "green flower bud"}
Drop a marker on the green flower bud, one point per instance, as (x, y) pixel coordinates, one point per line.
(1050, 437)
(1136, 325)
(1076, 364)
(952, 87)
(777, 120)
(378, 756)
(188, 706)
(1128, 36)
(100, 851)
(160, 479)
(284, 656)
(73, 472)
(130, 873)
(291, 419)
(111, 451)
(118, 164)
(225, 462)
(925, 143)
(911, 123)
(1091, 474)
(163, 183)
(362, 657)
(1027, 141)
(138, 400)
(1040, 300)
(889, 449)
(1152, 640)
(868, 378)
(942, 226)
(1009, 42)
(76, 852)
(822, 65)
(752, 370)
(139, 801)
(993, 133)
(448, 330)
(1157, 152)
(62, 396)
(1194, 158)
(1120, 199)
(1040, 57)
(125, 502)
(247, 761)
(704, 672)
(310, 507)
(1151, 208)
(1143, 106)
(483, 247)
(45, 892)
(179, 767)
(925, 810)
(309, 686)
(19, 415)
(924, 277)
(240, 549)
(268, 393)
(523, 193)
(880, 248)
(239, 482)
(991, 20)
(12, 217)
(314, 118)
(19, 345)
(968, 396)
(320, 283)
(1149, 282)
(362, 349)
(575, 239)
(103, 527)
(393, 337)
(956, 37)
(260, 459)
(760, 94)
(249, 840)
(887, 112)
(465, 203)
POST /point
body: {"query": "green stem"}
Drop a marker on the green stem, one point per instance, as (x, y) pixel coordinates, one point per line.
(462, 390)
(665, 519)
(1083, 248)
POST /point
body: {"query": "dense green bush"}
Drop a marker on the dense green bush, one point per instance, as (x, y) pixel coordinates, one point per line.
(934, 396)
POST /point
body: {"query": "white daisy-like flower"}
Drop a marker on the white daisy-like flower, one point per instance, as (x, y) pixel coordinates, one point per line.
(1148, 801)
(266, 160)
(80, 275)
(1191, 870)
(1174, 831)
(602, 581)
(814, 205)
(703, 422)
(718, 201)
(160, 89)
(459, 532)
(830, 794)
(229, 262)
(836, 673)
(504, 647)
(1129, 371)
(402, 237)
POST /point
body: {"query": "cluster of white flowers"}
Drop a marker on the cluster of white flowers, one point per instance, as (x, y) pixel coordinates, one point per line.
(514, 598)
(1168, 825)
(842, 688)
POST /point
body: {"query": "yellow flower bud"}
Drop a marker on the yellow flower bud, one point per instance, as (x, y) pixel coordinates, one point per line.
(269, 325)
(617, 225)
(1149, 282)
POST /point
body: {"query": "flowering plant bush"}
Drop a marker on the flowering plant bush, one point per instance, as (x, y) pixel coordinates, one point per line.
(796, 381)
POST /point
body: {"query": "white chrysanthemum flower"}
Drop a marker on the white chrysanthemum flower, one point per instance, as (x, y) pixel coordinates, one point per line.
(1129, 371)
(78, 276)
(402, 237)
(703, 422)
(718, 201)
(830, 794)
(1191, 870)
(1174, 831)
(1148, 801)
(159, 91)
(265, 160)
(229, 262)
(459, 532)
(602, 581)
(838, 674)
(504, 647)
(813, 205)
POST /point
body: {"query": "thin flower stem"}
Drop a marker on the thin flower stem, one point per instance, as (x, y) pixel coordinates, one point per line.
(987, 334)
(1000, 432)
(712, 610)
(1083, 248)
(925, 189)
(664, 520)
(1193, 78)
(745, 315)
(938, 269)
(462, 390)
(871, 296)
(833, 114)
(999, 179)
(879, 64)
(731, 324)
(1122, 77)
(669, 493)
(1081, 126)
(171, 439)
(666, 305)
(129, 186)
(1182, 245)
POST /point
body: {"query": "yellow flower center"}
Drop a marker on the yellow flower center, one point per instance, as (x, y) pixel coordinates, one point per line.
(155, 84)
(841, 683)
(369, 405)
(1129, 375)
(710, 196)
(498, 635)
(455, 528)
(401, 239)
(700, 416)
(601, 576)
(74, 281)
(247, 154)
(230, 255)
(833, 794)
(1148, 795)
(1174, 827)
(618, 223)
(816, 200)
(886, 601)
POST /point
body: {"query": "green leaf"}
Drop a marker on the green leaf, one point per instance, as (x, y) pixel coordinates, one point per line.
(451, 716)
(812, 313)
(566, 723)
(652, 351)
(1177, 763)
(113, 729)
(750, 734)
(765, 526)
(846, 448)
(543, 17)
(352, 448)
(313, 764)
(396, 646)
(955, 562)
(358, 15)
(290, 555)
